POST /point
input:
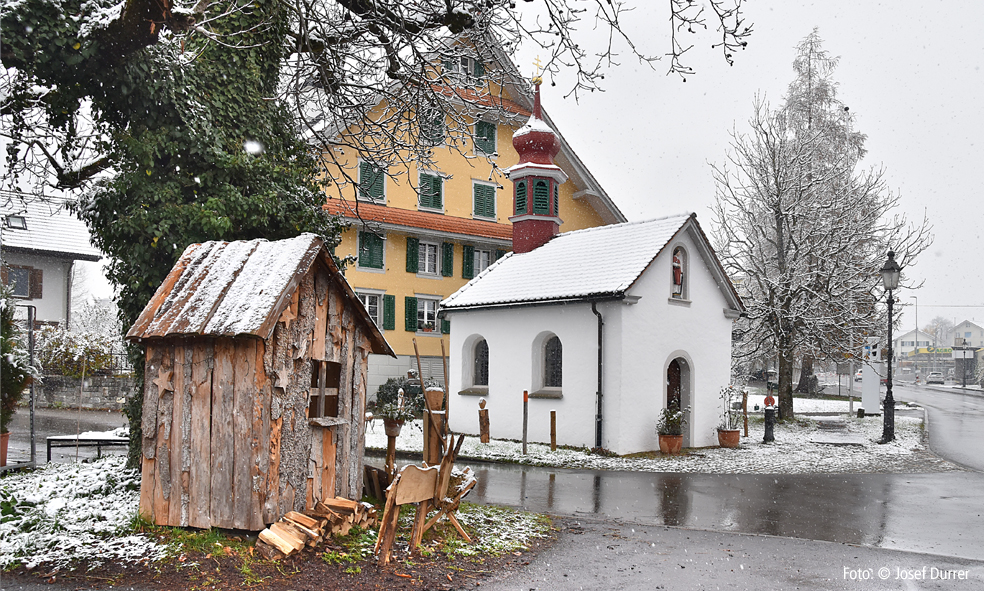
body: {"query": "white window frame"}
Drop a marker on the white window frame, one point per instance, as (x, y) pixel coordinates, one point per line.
(422, 305)
(476, 266)
(372, 293)
(17, 290)
(422, 248)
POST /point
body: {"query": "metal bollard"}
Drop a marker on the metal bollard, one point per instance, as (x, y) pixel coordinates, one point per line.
(770, 422)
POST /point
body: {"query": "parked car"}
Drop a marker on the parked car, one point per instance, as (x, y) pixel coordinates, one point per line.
(857, 376)
(935, 377)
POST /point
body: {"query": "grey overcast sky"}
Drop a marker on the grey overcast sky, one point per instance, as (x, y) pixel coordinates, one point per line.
(909, 71)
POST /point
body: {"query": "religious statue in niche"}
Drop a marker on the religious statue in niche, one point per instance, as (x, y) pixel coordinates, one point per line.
(678, 273)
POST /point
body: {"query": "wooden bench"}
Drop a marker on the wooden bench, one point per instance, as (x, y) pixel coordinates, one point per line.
(86, 440)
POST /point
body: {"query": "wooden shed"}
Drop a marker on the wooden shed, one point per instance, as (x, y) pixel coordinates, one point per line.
(255, 387)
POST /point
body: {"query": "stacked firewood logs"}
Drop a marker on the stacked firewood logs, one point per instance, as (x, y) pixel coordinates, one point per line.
(295, 531)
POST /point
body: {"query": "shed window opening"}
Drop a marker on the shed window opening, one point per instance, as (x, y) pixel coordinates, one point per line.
(553, 368)
(325, 379)
(17, 222)
(481, 370)
(426, 315)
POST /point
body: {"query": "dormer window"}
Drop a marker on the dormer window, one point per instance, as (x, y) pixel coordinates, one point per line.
(16, 222)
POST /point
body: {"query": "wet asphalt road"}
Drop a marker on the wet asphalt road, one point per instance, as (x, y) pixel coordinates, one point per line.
(955, 422)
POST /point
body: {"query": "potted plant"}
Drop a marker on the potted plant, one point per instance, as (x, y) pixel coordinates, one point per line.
(728, 433)
(394, 415)
(669, 427)
(15, 373)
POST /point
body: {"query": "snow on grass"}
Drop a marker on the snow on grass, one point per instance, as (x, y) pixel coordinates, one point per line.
(792, 452)
(68, 513)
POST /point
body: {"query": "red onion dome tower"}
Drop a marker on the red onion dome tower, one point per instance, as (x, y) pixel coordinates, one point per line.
(536, 181)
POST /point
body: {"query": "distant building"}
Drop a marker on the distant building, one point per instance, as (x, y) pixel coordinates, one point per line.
(41, 243)
(968, 334)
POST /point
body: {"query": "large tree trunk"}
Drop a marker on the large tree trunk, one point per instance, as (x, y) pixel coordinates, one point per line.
(806, 373)
(785, 383)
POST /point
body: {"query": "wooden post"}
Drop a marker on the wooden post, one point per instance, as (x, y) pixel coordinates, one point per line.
(390, 455)
(526, 416)
(744, 409)
(433, 420)
(420, 382)
(483, 421)
(553, 430)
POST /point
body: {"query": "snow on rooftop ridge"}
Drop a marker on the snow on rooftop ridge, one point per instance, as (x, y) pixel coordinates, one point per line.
(618, 255)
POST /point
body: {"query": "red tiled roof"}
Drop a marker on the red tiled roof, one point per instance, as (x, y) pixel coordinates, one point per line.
(470, 95)
(371, 212)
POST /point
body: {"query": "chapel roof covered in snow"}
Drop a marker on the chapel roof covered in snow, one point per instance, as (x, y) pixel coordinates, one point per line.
(46, 227)
(239, 288)
(594, 263)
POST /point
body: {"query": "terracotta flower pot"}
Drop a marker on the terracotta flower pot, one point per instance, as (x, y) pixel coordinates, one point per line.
(393, 427)
(670, 444)
(729, 437)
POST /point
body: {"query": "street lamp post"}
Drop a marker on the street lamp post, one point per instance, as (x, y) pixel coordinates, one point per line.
(890, 277)
(915, 348)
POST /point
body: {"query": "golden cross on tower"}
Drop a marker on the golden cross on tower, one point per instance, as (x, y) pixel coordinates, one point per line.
(538, 77)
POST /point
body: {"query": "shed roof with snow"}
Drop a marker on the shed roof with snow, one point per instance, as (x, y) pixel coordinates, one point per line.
(594, 263)
(239, 288)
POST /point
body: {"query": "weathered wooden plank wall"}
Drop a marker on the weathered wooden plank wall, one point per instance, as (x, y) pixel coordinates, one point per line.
(200, 446)
(227, 442)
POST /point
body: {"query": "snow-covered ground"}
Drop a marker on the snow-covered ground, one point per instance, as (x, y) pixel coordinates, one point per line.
(64, 513)
(792, 452)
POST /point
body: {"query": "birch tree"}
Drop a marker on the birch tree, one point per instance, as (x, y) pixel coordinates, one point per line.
(804, 229)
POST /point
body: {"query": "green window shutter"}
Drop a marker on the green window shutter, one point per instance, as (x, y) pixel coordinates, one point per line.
(370, 250)
(447, 259)
(389, 312)
(479, 68)
(431, 187)
(437, 190)
(468, 261)
(410, 312)
(445, 326)
(499, 254)
(483, 197)
(556, 210)
(413, 252)
(485, 137)
(541, 197)
(520, 197)
(371, 181)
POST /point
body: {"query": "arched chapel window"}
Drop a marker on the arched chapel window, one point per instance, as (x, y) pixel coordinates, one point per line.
(553, 369)
(481, 370)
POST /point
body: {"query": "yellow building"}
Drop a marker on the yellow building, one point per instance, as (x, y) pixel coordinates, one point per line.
(418, 237)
